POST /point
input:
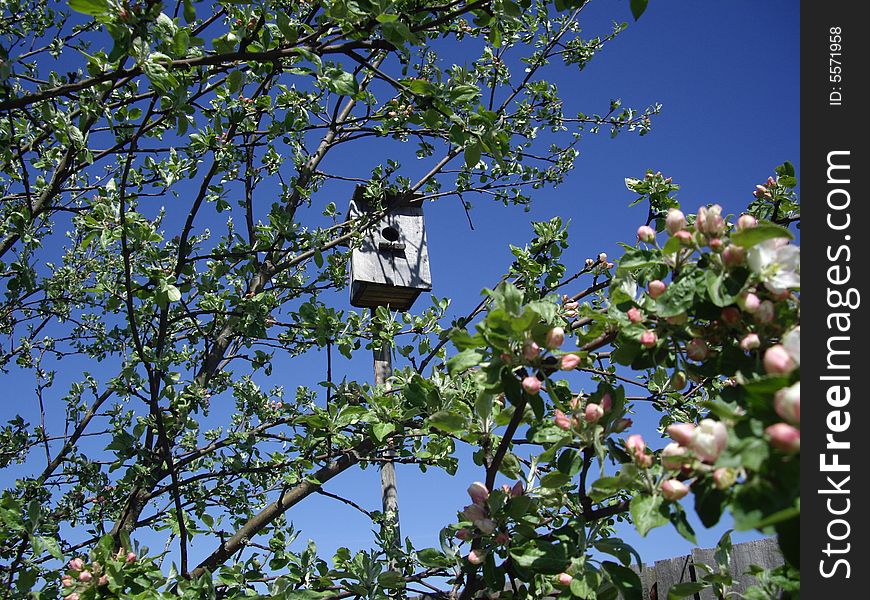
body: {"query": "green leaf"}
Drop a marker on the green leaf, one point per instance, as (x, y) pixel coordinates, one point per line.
(763, 231)
(386, 18)
(234, 81)
(189, 11)
(555, 479)
(343, 83)
(626, 581)
(472, 155)
(430, 557)
(541, 556)
(448, 421)
(681, 590)
(646, 513)
(382, 430)
(173, 294)
(464, 360)
(638, 7)
(94, 8)
(391, 579)
(285, 27)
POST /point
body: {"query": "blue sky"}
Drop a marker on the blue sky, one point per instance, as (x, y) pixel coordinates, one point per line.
(727, 76)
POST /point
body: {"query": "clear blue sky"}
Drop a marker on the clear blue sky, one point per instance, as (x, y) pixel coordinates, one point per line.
(727, 76)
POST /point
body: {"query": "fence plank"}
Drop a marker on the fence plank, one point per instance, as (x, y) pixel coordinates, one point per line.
(668, 572)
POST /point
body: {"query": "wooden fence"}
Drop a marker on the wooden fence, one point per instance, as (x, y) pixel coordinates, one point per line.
(657, 578)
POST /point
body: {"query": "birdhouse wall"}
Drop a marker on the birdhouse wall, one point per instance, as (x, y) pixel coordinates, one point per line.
(391, 265)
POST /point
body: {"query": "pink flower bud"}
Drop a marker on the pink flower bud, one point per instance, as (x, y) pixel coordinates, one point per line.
(532, 385)
(760, 191)
(66, 581)
(486, 526)
(530, 350)
(709, 440)
(644, 461)
(777, 360)
(674, 489)
(73, 596)
(85, 576)
(682, 433)
(765, 313)
(476, 557)
(518, 489)
(565, 579)
(555, 338)
(478, 492)
(731, 316)
(648, 339)
(635, 443)
(463, 534)
(571, 305)
(784, 437)
(589, 262)
(771, 182)
(672, 456)
(746, 221)
(716, 244)
(635, 315)
(103, 580)
(602, 257)
(606, 402)
(656, 288)
(622, 424)
(569, 362)
(749, 302)
(473, 512)
(502, 538)
(76, 564)
(734, 255)
(685, 237)
(593, 413)
(724, 478)
(696, 349)
(675, 220)
(645, 233)
(609, 265)
(750, 341)
(131, 557)
(710, 221)
(787, 403)
(562, 420)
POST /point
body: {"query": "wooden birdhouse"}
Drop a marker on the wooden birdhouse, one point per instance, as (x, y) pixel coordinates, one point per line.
(391, 266)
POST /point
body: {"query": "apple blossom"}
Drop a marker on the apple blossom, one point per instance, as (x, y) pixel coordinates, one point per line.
(569, 362)
(734, 255)
(66, 581)
(674, 489)
(710, 221)
(724, 478)
(593, 413)
(709, 440)
(784, 437)
(792, 343)
(696, 349)
(777, 360)
(685, 237)
(746, 221)
(478, 492)
(565, 579)
(645, 233)
(555, 338)
(787, 403)
(716, 244)
(103, 580)
(76, 564)
(518, 489)
(602, 257)
(476, 557)
(486, 526)
(562, 420)
(472, 512)
(73, 596)
(589, 262)
(682, 433)
(532, 385)
(675, 220)
(656, 288)
(85, 576)
(648, 338)
(530, 349)
(765, 313)
(672, 456)
(635, 315)
(776, 263)
(606, 402)
(750, 341)
(749, 302)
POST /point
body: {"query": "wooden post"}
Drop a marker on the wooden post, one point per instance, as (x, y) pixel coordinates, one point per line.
(389, 497)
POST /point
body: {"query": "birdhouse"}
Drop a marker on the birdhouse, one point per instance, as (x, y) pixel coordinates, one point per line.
(391, 265)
